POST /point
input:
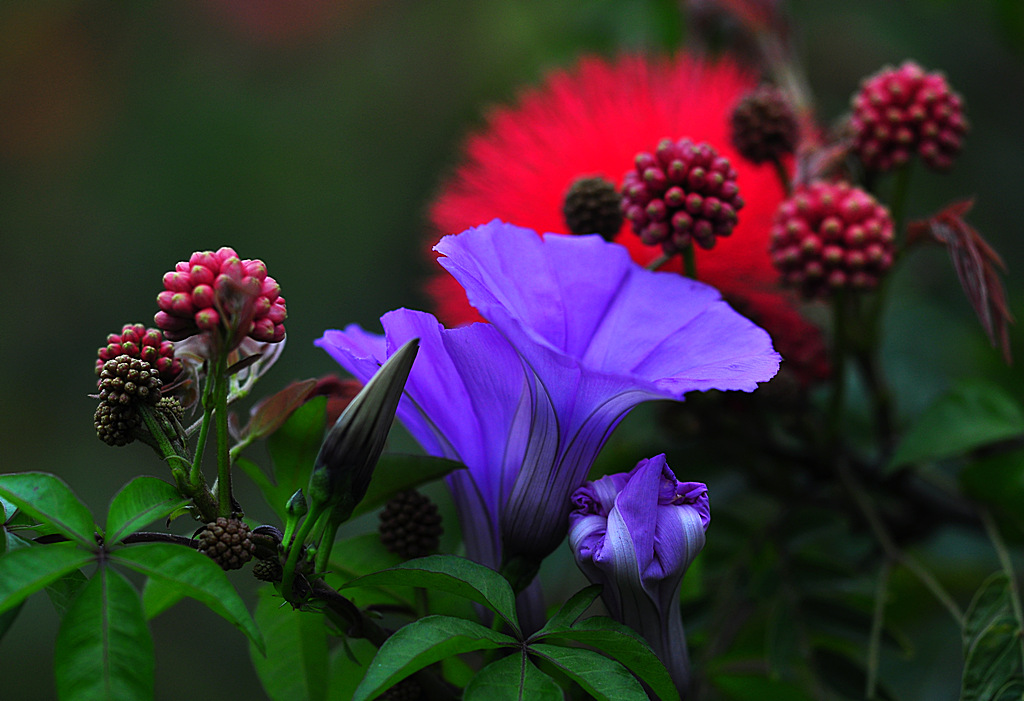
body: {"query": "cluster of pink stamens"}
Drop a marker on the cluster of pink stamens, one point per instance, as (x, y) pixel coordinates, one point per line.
(900, 111)
(220, 292)
(831, 236)
(136, 341)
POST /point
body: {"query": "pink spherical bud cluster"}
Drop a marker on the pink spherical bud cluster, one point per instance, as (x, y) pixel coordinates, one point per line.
(902, 110)
(218, 291)
(136, 341)
(831, 236)
(683, 193)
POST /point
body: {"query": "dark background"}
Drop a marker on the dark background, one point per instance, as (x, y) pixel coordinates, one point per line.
(313, 134)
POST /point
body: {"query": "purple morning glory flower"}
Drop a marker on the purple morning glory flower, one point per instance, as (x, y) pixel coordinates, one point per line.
(637, 533)
(578, 335)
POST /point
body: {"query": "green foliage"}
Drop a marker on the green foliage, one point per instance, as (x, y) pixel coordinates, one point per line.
(49, 500)
(25, 571)
(293, 449)
(622, 644)
(973, 414)
(195, 575)
(397, 472)
(424, 642)
(104, 650)
(139, 503)
(512, 678)
(993, 645)
(296, 664)
(602, 678)
(451, 574)
(158, 595)
(608, 673)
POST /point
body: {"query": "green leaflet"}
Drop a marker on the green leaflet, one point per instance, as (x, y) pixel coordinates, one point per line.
(139, 503)
(104, 650)
(621, 643)
(992, 644)
(49, 500)
(196, 575)
(422, 643)
(512, 678)
(27, 570)
(295, 667)
(452, 574)
(601, 677)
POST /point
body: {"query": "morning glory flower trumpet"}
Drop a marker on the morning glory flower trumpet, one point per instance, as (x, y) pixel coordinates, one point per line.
(579, 334)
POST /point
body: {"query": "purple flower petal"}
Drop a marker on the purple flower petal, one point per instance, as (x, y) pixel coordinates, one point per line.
(579, 335)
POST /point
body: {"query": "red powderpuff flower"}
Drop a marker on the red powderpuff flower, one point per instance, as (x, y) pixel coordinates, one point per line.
(218, 292)
(593, 120)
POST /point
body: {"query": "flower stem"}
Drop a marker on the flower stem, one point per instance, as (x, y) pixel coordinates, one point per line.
(897, 201)
(295, 547)
(220, 415)
(689, 262)
(839, 320)
(992, 529)
(877, 623)
(893, 552)
(783, 176)
(659, 261)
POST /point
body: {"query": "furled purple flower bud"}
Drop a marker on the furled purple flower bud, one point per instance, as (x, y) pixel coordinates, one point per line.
(681, 194)
(352, 447)
(636, 533)
(220, 292)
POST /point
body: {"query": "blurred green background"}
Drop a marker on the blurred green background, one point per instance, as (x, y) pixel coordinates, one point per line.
(312, 134)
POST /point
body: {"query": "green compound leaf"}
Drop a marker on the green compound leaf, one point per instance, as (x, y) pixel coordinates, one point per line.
(196, 575)
(397, 472)
(48, 499)
(25, 571)
(992, 644)
(601, 677)
(423, 643)
(623, 644)
(104, 649)
(452, 574)
(972, 414)
(512, 678)
(570, 611)
(138, 504)
(296, 665)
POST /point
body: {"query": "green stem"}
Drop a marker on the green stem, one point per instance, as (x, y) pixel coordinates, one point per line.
(220, 415)
(294, 549)
(783, 176)
(839, 321)
(893, 551)
(204, 431)
(193, 489)
(164, 444)
(689, 262)
(659, 261)
(898, 200)
(877, 624)
(992, 529)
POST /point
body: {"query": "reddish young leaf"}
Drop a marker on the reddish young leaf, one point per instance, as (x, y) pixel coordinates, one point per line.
(977, 265)
(270, 413)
